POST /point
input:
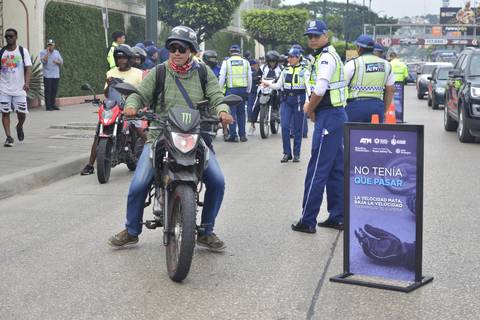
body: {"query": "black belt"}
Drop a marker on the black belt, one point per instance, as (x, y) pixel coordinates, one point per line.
(362, 98)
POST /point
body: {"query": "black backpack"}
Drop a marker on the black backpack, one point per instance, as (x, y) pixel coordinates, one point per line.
(22, 53)
(160, 83)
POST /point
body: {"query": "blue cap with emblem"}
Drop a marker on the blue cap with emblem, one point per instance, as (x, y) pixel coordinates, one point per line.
(317, 27)
(378, 48)
(365, 42)
(294, 52)
(234, 48)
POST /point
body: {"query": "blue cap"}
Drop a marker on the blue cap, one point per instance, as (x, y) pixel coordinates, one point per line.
(365, 41)
(299, 47)
(378, 48)
(317, 27)
(151, 50)
(253, 62)
(148, 43)
(294, 52)
(140, 45)
(235, 48)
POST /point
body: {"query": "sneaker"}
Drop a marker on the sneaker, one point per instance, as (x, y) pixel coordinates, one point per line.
(296, 158)
(251, 131)
(8, 142)
(243, 139)
(122, 239)
(212, 242)
(286, 158)
(55, 108)
(300, 227)
(88, 169)
(20, 134)
(331, 224)
(232, 139)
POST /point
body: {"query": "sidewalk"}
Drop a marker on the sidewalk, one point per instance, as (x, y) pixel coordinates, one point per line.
(55, 144)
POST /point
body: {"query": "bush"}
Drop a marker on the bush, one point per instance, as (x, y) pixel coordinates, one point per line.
(136, 30)
(79, 35)
(221, 42)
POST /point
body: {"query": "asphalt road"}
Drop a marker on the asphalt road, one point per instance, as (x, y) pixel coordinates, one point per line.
(55, 262)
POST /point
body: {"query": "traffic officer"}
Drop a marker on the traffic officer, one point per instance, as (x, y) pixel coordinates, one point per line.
(236, 76)
(326, 108)
(379, 50)
(304, 61)
(368, 77)
(400, 69)
(293, 80)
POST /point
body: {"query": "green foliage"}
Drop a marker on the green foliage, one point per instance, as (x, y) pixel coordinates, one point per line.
(204, 16)
(221, 42)
(275, 27)
(340, 47)
(80, 38)
(136, 30)
(36, 80)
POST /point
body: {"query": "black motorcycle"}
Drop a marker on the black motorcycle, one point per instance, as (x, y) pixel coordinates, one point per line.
(269, 118)
(179, 155)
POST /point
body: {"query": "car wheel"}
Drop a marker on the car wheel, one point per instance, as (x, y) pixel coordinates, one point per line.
(429, 101)
(434, 103)
(463, 130)
(419, 95)
(448, 122)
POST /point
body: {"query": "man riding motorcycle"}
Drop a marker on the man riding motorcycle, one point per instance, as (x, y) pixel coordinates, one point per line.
(210, 57)
(182, 45)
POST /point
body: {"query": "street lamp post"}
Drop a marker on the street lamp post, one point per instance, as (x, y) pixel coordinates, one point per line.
(151, 31)
(346, 28)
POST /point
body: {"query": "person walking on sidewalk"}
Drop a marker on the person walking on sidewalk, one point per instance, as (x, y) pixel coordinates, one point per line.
(15, 72)
(236, 76)
(51, 61)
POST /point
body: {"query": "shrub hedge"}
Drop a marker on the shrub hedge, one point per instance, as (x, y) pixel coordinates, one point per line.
(222, 40)
(80, 38)
(136, 30)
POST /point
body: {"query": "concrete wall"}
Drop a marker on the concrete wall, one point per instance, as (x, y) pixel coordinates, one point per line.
(27, 16)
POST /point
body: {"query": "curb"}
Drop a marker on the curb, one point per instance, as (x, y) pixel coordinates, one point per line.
(34, 178)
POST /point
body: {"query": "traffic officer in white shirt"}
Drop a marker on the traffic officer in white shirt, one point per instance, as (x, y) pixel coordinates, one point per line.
(326, 109)
(368, 77)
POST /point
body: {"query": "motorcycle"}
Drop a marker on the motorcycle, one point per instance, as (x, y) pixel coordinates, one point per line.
(269, 113)
(179, 156)
(118, 139)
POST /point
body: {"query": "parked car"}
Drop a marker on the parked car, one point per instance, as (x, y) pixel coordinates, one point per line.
(437, 86)
(462, 108)
(423, 74)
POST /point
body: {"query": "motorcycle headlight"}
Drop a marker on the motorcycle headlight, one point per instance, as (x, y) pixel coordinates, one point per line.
(184, 142)
(475, 92)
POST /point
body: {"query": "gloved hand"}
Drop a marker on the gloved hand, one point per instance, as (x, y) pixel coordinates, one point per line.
(385, 248)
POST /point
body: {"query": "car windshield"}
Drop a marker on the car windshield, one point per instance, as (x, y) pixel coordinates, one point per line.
(475, 65)
(428, 69)
(443, 74)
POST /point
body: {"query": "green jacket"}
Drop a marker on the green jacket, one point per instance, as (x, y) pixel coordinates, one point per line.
(173, 96)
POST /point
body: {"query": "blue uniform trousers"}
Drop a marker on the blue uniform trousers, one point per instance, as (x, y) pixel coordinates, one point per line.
(325, 168)
(291, 111)
(361, 110)
(251, 103)
(142, 181)
(305, 126)
(238, 113)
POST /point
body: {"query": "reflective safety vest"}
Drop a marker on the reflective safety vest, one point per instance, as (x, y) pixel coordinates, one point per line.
(370, 77)
(400, 70)
(110, 57)
(337, 85)
(294, 78)
(237, 72)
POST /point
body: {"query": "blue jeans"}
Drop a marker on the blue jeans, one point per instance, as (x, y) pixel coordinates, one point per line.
(325, 168)
(238, 113)
(291, 112)
(142, 181)
(362, 110)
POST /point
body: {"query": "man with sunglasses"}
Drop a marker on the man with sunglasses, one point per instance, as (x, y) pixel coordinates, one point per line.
(182, 45)
(236, 76)
(326, 108)
(15, 73)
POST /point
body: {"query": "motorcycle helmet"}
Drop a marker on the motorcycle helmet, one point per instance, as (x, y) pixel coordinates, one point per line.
(123, 50)
(272, 56)
(210, 58)
(139, 53)
(183, 35)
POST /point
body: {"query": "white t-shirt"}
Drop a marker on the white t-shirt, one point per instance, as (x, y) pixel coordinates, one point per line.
(12, 74)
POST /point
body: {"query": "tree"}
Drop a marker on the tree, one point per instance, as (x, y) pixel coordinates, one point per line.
(204, 16)
(275, 27)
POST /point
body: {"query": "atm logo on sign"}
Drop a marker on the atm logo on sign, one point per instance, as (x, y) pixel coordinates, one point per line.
(366, 140)
(186, 117)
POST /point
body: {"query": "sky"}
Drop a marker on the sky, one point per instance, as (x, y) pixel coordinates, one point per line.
(399, 9)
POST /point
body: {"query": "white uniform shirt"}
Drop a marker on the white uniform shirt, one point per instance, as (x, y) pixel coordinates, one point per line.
(325, 72)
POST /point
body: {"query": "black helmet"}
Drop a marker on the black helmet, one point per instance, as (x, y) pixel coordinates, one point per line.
(272, 56)
(123, 50)
(283, 58)
(140, 53)
(185, 35)
(210, 56)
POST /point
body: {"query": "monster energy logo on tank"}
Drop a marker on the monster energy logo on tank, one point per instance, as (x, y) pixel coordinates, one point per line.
(186, 117)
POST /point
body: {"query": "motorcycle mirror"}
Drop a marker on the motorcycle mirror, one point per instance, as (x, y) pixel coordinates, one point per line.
(232, 100)
(126, 89)
(86, 87)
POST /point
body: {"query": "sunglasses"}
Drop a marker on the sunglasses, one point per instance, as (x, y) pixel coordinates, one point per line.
(314, 36)
(180, 49)
(9, 36)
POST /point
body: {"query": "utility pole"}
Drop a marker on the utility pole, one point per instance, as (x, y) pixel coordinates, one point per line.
(324, 11)
(151, 31)
(346, 28)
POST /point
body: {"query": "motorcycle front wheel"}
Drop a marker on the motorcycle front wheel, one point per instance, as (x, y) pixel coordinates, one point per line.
(182, 224)
(104, 160)
(264, 125)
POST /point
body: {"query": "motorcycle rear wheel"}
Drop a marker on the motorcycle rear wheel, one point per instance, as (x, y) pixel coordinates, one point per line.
(104, 160)
(179, 253)
(264, 125)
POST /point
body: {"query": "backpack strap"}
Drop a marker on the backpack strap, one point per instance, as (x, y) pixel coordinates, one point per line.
(203, 75)
(160, 75)
(2, 51)
(22, 53)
